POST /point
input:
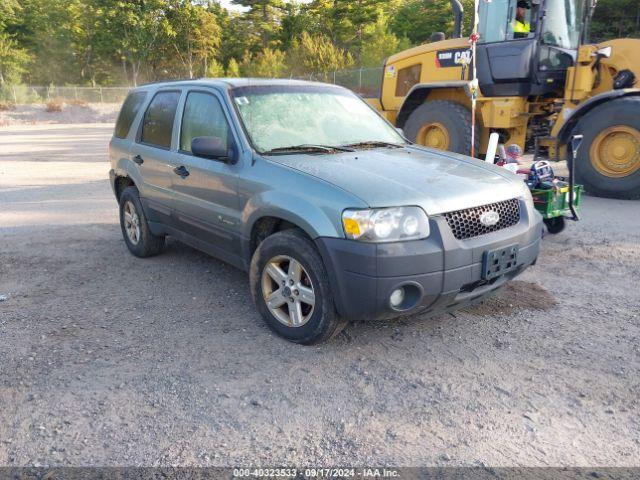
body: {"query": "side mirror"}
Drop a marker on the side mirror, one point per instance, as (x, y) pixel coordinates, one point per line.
(210, 147)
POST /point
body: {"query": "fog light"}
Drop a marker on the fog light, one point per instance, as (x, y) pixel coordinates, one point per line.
(397, 297)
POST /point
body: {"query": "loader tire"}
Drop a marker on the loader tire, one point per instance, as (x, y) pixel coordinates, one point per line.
(444, 125)
(608, 161)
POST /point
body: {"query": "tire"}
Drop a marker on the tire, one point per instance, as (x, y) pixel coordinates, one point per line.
(146, 244)
(622, 112)
(555, 225)
(317, 322)
(453, 117)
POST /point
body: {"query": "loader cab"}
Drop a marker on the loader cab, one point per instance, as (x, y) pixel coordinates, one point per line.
(513, 60)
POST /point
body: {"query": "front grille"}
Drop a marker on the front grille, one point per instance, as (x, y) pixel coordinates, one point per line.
(466, 223)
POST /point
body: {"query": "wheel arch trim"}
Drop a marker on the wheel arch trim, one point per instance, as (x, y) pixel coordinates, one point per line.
(311, 219)
(576, 114)
(418, 94)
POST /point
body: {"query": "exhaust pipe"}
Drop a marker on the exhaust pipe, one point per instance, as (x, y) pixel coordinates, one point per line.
(457, 16)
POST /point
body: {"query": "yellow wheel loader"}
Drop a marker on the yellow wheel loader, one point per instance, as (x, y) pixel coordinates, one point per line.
(538, 83)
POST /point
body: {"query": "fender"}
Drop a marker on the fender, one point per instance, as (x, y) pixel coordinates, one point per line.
(419, 93)
(292, 208)
(125, 168)
(573, 116)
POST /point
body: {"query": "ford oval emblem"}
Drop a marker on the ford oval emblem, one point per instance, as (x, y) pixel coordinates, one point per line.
(489, 218)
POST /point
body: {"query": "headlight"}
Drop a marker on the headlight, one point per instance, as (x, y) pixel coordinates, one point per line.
(385, 224)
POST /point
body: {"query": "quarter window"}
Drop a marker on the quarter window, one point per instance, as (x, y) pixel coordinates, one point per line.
(157, 124)
(407, 78)
(203, 117)
(128, 113)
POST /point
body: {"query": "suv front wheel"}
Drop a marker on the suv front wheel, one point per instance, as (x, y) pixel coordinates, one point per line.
(135, 230)
(291, 290)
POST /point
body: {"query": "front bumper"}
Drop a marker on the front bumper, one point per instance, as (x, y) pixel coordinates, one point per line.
(445, 273)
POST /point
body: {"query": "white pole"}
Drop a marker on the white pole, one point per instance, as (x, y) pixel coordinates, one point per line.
(492, 147)
(474, 86)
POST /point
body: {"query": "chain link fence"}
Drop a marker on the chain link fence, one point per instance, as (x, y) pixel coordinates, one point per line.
(39, 94)
(364, 81)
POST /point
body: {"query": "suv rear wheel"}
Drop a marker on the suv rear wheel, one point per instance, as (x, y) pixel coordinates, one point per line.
(135, 230)
(291, 290)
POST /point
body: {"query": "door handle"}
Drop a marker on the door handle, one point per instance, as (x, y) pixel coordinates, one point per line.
(138, 159)
(181, 171)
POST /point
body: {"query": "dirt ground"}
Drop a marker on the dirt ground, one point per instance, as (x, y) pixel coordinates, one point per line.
(30, 114)
(106, 359)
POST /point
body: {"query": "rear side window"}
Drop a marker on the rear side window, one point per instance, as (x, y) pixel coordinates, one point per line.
(128, 113)
(157, 123)
(203, 117)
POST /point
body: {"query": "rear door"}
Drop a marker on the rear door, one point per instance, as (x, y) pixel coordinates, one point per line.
(206, 198)
(152, 153)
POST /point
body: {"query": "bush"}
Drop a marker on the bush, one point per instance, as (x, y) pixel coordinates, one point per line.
(54, 106)
(6, 106)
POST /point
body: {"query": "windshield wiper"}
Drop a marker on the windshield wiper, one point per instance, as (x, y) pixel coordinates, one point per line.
(308, 147)
(373, 144)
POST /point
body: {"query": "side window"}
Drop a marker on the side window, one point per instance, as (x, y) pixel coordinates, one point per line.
(203, 117)
(128, 113)
(157, 123)
(407, 78)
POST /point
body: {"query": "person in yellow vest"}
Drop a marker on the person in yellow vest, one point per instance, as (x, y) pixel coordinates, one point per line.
(520, 25)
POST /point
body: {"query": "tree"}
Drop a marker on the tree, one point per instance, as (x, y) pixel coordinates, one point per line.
(380, 43)
(418, 19)
(234, 43)
(233, 69)
(8, 11)
(346, 21)
(194, 35)
(13, 59)
(262, 21)
(214, 69)
(139, 25)
(615, 19)
(317, 55)
(268, 63)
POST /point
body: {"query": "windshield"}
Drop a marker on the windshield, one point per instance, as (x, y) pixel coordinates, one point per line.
(281, 116)
(561, 27)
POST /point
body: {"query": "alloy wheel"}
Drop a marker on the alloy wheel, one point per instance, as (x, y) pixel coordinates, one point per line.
(131, 222)
(288, 291)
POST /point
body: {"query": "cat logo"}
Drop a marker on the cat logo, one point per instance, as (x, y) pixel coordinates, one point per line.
(453, 58)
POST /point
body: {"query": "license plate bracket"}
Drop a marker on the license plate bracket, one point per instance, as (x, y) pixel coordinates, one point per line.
(499, 261)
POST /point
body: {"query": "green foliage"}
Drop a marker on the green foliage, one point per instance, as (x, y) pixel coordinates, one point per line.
(380, 43)
(233, 69)
(616, 19)
(261, 21)
(267, 63)
(317, 54)
(214, 69)
(117, 42)
(13, 59)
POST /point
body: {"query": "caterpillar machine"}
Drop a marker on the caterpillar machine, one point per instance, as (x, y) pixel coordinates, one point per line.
(539, 84)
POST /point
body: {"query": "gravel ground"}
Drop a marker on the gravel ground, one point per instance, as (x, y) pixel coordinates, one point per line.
(107, 359)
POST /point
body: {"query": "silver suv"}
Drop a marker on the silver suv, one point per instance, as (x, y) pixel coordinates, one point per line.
(331, 211)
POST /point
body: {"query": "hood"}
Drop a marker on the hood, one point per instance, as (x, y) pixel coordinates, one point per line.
(434, 180)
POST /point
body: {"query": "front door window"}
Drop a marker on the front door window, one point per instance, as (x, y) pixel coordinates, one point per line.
(502, 20)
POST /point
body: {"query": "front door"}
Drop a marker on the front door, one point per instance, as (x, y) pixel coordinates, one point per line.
(205, 190)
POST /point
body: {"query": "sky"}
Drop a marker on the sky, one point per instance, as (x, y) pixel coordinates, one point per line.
(227, 4)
